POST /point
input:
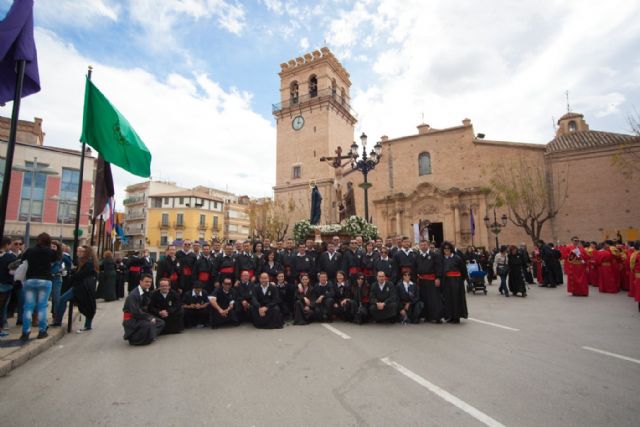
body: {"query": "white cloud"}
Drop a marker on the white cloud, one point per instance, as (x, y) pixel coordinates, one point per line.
(198, 133)
(304, 44)
(79, 13)
(504, 65)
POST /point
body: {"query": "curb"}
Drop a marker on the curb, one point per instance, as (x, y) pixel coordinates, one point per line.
(33, 348)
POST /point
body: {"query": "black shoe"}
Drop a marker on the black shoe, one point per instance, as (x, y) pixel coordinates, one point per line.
(42, 334)
(24, 337)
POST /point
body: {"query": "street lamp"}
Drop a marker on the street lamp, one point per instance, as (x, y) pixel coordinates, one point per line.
(35, 169)
(495, 226)
(365, 164)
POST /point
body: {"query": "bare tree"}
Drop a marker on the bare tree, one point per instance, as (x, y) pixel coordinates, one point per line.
(627, 157)
(531, 196)
(268, 219)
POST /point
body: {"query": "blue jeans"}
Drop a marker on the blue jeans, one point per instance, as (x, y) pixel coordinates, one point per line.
(36, 296)
(56, 286)
(503, 284)
(62, 307)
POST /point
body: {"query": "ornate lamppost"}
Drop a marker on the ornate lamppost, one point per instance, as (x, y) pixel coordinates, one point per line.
(365, 164)
(495, 226)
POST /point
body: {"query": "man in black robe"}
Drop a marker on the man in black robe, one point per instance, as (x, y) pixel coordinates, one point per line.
(322, 299)
(196, 306)
(385, 263)
(304, 264)
(428, 266)
(187, 259)
(247, 261)
(223, 301)
(383, 300)
(330, 261)
(453, 273)
(165, 304)
(140, 326)
(265, 312)
(226, 265)
(409, 301)
(405, 259)
(169, 268)
(352, 261)
(244, 293)
(203, 268)
(134, 268)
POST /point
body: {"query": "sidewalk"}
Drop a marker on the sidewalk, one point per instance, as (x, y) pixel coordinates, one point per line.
(14, 353)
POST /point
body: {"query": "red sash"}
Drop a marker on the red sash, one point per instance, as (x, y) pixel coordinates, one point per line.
(368, 272)
(453, 274)
(127, 316)
(135, 269)
(427, 276)
(186, 271)
(354, 270)
(173, 277)
(203, 276)
(227, 270)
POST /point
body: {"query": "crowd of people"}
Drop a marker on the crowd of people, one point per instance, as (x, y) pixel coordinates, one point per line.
(202, 285)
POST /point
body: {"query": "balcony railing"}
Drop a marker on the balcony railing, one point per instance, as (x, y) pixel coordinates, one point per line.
(202, 226)
(133, 200)
(134, 216)
(178, 225)
(163, 224)
(322, 95)
(130, 246)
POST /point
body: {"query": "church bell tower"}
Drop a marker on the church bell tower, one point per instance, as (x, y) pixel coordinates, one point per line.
(313, 118)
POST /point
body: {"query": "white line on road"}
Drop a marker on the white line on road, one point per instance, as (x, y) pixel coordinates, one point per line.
(475, 413)
(497, 325)
(619, 356)
(337, 331)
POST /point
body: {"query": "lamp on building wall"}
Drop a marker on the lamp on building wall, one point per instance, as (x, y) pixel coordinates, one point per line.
(35, 169)
(365, 164)
(495, 226)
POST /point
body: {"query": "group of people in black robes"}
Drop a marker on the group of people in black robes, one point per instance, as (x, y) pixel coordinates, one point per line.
(358, 283)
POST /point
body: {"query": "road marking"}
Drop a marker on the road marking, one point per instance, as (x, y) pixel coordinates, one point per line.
(619, 356)
(337, 331)
(460, 404)
(497, 325)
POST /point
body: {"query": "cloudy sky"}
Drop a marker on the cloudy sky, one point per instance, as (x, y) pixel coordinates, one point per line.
(196, 78)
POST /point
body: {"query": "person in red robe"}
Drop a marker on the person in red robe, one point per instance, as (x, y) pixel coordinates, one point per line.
(632, 260)
(564, 255)
(576, 261)
(608, 269)
(592, 250)
(537, 263)
(634, 265)
(623, 267)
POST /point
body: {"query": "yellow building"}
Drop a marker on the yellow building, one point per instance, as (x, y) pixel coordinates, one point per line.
(187, 214)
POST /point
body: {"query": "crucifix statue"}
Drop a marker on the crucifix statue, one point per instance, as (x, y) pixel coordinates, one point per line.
(337, 165)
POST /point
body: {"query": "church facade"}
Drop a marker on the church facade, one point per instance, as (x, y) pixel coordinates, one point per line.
(440, 177)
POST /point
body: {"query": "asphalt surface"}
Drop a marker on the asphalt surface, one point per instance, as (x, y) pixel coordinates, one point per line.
(533, 372)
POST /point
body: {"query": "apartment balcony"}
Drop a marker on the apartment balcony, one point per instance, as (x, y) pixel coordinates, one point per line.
(130, 246)
(202, 227)
(178, 225)
(133, 200)
(134, 216)
(164, 225)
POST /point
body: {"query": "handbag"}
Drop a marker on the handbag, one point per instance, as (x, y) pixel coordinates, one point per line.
(20, 274)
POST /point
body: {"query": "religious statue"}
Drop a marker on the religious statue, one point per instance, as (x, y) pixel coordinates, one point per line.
(349, 202)
(316, 201)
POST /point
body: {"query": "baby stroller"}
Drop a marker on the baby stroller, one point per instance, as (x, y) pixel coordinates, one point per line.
(475, 281)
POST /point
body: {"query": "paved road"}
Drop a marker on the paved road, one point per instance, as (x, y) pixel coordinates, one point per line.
(534, 373)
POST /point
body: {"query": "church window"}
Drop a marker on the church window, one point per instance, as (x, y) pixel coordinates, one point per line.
(294, 93)
(297, 171)
(572, 126)
(313, 86)
(334, 88)
(424, 164)
(343, 95)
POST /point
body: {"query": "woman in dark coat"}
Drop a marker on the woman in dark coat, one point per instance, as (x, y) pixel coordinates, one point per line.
(454, 272)
(108, 277)
(516, 275)
(303, 308)
(83, 288)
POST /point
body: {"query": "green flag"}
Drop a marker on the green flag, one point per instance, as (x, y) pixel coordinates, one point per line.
(106, 130)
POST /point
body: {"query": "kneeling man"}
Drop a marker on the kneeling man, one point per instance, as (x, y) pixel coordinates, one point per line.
(265, 312)
(196, 306)
(223, 305)
(165, 304)
(383, 300)
(140, 326)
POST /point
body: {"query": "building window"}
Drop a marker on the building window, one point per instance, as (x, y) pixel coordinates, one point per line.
(424, 164)
(164, 240)
(313, 86)
(297, 171)
(178, 235)
(343, 95)
(215, 223)
(165, 201)
(37, 198)
(334, 88)
(157, 202)
(165, 219)
(572, 126)
(180, 219)
(181, 200)
(203, 220)
(293, 93)
(68, 195)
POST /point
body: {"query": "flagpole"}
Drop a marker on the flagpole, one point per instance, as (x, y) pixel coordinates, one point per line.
(79, 204)
(11, 145)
